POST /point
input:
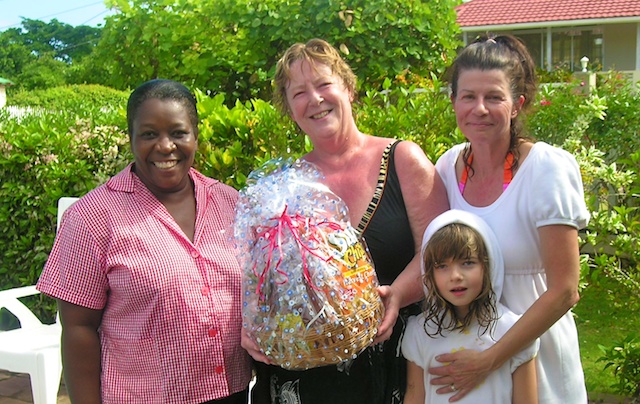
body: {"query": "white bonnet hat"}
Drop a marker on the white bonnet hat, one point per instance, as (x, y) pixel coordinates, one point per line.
(496, 262)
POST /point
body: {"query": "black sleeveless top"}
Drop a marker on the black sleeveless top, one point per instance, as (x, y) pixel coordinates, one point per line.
(377, 375)
(385, 225)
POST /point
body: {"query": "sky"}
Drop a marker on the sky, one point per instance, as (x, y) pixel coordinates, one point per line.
(72, 12)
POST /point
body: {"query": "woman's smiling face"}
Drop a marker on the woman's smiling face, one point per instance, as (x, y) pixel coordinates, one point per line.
(483, 104)
(164, 143)
(318, 100)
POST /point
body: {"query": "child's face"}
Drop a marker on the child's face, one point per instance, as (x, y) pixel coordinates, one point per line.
(459, 281)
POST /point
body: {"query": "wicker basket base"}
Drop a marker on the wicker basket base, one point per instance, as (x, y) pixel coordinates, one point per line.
(321, 344)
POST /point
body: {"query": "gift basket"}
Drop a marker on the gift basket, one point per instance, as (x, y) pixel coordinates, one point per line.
(309, 287)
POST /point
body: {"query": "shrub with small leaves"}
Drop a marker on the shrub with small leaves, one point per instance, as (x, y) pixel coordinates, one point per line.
(624, 358)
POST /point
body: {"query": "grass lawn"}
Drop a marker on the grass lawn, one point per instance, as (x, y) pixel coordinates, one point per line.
(605, 314)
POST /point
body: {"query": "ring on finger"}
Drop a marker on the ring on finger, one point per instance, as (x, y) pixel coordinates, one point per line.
(453, 387)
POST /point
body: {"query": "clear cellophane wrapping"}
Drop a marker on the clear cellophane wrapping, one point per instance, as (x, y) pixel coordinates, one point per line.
(309, 286)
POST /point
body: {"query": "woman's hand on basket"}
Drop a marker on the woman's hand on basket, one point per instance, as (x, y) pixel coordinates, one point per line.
(391, 303)
(252, 348)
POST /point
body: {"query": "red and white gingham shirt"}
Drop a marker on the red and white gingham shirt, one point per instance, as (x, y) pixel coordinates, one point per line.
(171, 324)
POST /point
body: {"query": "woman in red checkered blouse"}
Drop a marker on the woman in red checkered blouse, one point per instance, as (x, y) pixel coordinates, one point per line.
(147, 283)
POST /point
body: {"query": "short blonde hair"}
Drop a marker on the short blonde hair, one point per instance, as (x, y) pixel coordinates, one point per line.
(315, 51)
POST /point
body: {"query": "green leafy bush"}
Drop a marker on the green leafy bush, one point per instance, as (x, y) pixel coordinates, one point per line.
(44, 157)
(559, 74)
(624, 358)
(584, 124)
(618, 134)
(611, 114)
(234, 141)
(555, 113)
(600, 129)
(420, 114)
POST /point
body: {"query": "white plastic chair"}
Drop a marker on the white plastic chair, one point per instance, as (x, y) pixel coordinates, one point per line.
(34, 348)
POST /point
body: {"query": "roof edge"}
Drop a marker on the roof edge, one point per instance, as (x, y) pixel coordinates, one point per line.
(551, 24)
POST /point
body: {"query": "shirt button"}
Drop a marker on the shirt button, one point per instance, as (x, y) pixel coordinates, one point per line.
(205, 291)
(213, 332)
(219, 369)
(194, 254)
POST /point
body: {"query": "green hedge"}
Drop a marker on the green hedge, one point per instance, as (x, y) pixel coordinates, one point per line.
(81, 99)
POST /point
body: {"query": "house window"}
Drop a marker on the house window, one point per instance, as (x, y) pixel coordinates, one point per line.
(536, 43)
(568, 46)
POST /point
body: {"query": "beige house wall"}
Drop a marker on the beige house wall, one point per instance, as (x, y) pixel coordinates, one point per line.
(620, 42)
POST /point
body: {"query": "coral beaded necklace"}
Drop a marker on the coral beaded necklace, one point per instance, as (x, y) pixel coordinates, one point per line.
(507, 177)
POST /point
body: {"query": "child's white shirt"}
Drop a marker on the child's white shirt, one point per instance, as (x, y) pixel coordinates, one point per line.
(421, 349)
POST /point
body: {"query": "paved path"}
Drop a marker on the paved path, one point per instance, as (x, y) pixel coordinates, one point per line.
(16, 389)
